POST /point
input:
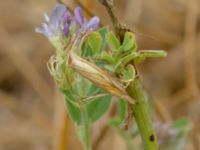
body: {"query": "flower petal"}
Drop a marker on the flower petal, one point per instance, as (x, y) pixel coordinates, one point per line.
(46, 17)
(93, 23)
(79, 16)
(56, 15)
(43, 29)
(39, 30)
(66, 29)
(67, 18)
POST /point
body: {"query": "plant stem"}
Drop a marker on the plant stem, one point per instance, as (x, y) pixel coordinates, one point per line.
(142, 115)
(119, 28)
(135, 90)
(86, 139)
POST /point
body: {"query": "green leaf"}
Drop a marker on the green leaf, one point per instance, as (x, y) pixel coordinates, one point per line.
(73, 111)
(81, 86)
(122, 108)
(98, 107)
(101, 63)
(108, 58)
(94, 90)
(103, 31)
(83, 131)
(153, 53)
(143, 54)
(122, 62)
(86, 50)
(94, 40)
(139, 58)
(129, 73)
(113, 42)
(114, 122)
(129, 42)
(110, 68)
(72, 106)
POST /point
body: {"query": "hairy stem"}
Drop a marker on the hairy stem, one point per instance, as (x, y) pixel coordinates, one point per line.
(142, 116)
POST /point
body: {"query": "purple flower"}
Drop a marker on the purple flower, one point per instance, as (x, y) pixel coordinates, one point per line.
(67, 18)
(66, 29)
(79, 16)
(92, 24)
(61, 22)
(53, 25)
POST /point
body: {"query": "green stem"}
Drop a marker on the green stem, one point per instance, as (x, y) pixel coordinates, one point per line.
(142, 115)
(86, 139)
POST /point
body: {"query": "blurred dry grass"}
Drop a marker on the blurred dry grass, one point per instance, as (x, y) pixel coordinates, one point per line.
(32, 112)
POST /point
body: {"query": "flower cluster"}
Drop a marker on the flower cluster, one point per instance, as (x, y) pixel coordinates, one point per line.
(62, 24)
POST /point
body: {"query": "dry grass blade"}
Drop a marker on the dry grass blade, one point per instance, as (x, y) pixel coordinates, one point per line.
(61, 123)
(190, 46)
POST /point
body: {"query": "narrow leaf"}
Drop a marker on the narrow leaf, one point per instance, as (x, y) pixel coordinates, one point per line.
(122, 108)
(153, 53)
